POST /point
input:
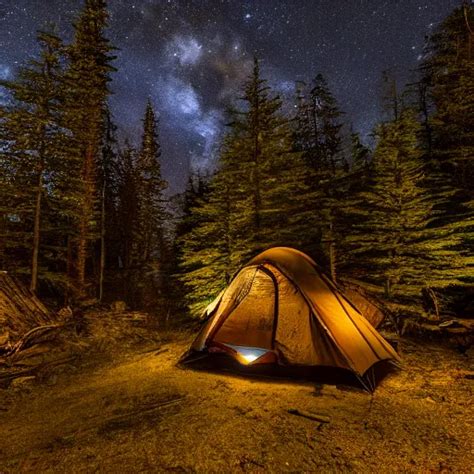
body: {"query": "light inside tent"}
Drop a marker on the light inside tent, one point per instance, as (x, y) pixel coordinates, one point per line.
(250, 357)
(248, 354)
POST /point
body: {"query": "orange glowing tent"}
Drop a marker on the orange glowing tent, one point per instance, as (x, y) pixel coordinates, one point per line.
(281, 309)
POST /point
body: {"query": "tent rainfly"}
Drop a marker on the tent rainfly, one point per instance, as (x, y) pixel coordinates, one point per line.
(281, 309)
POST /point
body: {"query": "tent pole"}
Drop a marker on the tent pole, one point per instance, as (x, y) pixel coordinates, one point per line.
(362, 381)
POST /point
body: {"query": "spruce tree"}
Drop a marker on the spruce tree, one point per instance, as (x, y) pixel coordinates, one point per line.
(360, 154)
(85, 91)
(127, 216)
(258, 198)
(208, 256)
(318, 136)
(395, 244)
(448, 74)
(326, 126)
(270, 190)
(186, 219)
(150, 241)
(109, 182)
(446, 104)
(197, 188)
(9, 198)
(351, 185)
(391, 103)
(30, 130)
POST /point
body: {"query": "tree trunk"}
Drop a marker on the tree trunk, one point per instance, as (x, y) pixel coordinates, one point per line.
(69, 266)
(423, 104)
(257, 195)
(332, 253)
(81, 257)
(257, 192)
(102, 246)
(37, 216)
(332, 250)
(36, 233)
(86, 215)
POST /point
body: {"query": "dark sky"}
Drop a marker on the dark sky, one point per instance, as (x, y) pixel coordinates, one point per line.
(190, 56)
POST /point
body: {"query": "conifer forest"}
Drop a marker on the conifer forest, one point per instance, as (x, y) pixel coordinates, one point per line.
(109, 270)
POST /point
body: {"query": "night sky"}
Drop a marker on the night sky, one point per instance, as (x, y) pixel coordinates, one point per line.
(190, 56)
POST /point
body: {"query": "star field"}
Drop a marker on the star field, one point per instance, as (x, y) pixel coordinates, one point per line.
(190, 56)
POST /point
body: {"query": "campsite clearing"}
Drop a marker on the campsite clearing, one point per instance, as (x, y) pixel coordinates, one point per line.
(138, 412)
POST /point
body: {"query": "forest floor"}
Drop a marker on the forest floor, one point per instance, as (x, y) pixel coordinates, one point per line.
(134, 411)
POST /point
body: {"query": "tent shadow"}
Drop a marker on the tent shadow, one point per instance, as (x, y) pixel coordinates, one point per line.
(343, 379)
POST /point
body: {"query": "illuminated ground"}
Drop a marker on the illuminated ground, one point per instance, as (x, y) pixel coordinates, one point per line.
(105, 418)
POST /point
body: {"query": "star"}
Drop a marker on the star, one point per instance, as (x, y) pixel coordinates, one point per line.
(192, 57)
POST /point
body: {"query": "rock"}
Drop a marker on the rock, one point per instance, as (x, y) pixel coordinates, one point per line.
(118, 306)
(52, 380)
(4, 338)
(22, 383)
(65, 313)
(331, 390)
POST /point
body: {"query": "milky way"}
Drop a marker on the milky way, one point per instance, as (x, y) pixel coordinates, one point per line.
(191, 56)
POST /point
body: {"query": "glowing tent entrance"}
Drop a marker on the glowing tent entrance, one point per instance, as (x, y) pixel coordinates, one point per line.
(280, 309)
(248, 355)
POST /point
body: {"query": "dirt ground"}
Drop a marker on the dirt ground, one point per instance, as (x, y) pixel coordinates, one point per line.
(138, 412)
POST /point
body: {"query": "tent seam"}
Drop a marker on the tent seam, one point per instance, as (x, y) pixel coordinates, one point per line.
(315, 310)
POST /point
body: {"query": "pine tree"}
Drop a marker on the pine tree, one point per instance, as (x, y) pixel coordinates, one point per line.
(448, 74)
(303, 127)
(127, 214)
(360, 154)
(392, 102)
(318, 136)
(398, 249)
(9, 198)
(325, 115)
(186, 216)
(30, 128)
(86, 91)
(446, 104)
(208, 256)
(351, 186)
(109, 182)
(150, 241)
(186, 219)
(270, 190)
(258, 198)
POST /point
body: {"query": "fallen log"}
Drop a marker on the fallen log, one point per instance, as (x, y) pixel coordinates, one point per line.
(16, 371)
(33, 337)
(38, 351)
(10, 374)
(309, 415)
(20, 309)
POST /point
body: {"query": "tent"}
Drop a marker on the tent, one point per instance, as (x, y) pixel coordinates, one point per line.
(281, 309)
